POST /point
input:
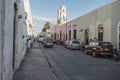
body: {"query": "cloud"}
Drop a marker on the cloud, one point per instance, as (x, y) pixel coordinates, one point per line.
(43, 19)
(39, 22)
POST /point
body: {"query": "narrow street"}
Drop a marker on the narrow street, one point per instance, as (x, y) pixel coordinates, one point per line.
(59, 63)
(29, 27)
(78, 66)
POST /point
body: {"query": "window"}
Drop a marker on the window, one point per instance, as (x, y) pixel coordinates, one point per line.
(100, 33)
(74, 35)
(63, 17)
(86, 36)
(63, 10)
(69, 34)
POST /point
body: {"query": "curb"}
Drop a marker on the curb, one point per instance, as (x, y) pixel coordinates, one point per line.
(57, 71)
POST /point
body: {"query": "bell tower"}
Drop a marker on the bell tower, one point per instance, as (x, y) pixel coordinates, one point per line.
(61, 17)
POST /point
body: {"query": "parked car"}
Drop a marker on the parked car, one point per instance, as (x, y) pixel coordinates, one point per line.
(74, 44)
(61, 43)
(66, 44)
(99, 48)
(48, 43)
(56, 41)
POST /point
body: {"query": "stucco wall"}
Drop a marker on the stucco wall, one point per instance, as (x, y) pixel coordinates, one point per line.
(20, 26)
(115, 20)
(91, 21)
(87, 21)
(104, 17)
(8, 40)
(7, 36)
(0, 39)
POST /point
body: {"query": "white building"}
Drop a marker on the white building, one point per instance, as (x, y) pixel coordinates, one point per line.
(13, 33)
(61, 18)
(29, 22)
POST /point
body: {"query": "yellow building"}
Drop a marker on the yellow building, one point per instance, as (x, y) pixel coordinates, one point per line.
(100, 24)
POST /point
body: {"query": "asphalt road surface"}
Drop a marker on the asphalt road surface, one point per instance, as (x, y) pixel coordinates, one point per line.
(79, 66)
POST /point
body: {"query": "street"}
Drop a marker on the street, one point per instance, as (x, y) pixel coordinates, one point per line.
(79, 66)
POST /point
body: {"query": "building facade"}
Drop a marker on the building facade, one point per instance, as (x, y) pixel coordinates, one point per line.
(29, 21)
(61, 17)
(13, 34)
(102, 24)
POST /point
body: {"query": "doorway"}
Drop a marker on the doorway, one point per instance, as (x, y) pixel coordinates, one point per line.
(69, 34)
(86, 36)
(74, 34)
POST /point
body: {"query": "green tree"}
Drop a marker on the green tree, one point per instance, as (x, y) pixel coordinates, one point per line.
(43, 30)
(46, 26)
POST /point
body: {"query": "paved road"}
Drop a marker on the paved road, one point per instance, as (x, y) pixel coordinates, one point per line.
(79, 66)
(35, 67)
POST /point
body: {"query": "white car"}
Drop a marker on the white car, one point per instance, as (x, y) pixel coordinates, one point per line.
(74, 44)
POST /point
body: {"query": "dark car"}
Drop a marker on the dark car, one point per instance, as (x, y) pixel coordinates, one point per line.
(48, 43)
(99, 48)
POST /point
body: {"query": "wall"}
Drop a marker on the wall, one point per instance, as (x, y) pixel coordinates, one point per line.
(115, 20)
(20, 34)
(29, 22)
(107, 15)
(104, 17)
(7, 36)
(0, 39)
(91, 21)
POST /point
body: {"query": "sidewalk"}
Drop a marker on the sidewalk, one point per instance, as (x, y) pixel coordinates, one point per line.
(34, 67)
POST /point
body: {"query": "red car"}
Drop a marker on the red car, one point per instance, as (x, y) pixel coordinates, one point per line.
(99, 48)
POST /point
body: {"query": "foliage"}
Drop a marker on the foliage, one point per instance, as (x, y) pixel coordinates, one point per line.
(46, 26)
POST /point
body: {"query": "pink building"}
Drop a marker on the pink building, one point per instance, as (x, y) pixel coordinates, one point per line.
(65, 31)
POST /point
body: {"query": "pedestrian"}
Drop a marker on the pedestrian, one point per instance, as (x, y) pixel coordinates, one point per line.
(34, 40)
(27, 45)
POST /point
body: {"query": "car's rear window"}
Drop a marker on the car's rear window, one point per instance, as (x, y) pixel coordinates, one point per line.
(76, 42)
(105, 44)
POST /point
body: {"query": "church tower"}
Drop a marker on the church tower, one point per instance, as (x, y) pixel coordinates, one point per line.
(61, 17)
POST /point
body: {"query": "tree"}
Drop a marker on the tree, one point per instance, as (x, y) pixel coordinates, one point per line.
(43, 30)
(46, 26)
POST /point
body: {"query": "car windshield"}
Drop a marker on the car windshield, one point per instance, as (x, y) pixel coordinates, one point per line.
(75, 42)
(105, 44)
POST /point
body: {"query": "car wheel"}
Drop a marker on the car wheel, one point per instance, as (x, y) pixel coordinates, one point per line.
(94, 54)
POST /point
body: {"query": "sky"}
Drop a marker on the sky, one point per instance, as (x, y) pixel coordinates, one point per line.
(46, 10)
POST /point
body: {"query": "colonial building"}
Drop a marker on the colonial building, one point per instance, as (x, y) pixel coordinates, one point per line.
(61, 17)
(29, 21)
(102, 24)
(13, 33)
(61, 20)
